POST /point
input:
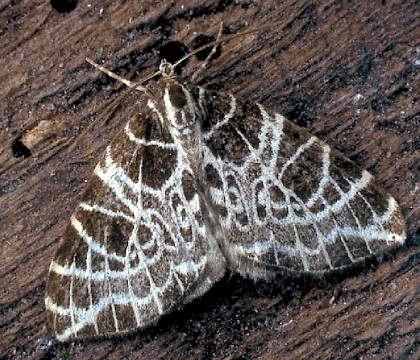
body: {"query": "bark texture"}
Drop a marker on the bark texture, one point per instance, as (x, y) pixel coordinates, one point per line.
(348, 72)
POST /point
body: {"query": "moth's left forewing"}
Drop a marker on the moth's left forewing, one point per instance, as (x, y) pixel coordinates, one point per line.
(135, 246)
(285, 199)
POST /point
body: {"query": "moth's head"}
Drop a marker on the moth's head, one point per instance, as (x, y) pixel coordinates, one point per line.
(167, 70)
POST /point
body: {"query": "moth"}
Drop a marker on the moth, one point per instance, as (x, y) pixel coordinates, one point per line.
(200, 183)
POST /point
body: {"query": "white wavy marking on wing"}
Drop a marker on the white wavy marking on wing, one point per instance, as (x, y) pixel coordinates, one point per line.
(225, 119)
(107, 212)
(140, 141)
(335, 208)
(114, 178)
(351, 210)
(185, 268)
(369, 232)
(92, 243)
(86, 316)
(83, 316)
(299, 151)
(326, 150)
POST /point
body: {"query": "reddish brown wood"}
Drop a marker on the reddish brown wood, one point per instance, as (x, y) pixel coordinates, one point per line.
(346, 71)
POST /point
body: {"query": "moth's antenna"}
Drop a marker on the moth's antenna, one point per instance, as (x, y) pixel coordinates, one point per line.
(130, 84)
(210, 55)
(131, 87)
(137, 85)
(225, 39)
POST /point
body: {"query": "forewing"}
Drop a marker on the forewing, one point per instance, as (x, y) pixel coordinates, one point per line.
(135, 245)
(286, 200)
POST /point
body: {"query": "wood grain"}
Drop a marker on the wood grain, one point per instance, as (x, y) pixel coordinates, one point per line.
(348, 72)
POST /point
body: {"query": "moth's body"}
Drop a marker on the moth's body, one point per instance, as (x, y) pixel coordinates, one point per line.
(199, 183)
(183, 118)
(184, 122)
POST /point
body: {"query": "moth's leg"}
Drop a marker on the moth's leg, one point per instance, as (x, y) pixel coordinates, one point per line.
(249, 268)
(212, 52)
(214, 271)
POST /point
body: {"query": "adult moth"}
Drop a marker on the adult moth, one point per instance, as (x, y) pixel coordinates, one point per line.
(199, 183)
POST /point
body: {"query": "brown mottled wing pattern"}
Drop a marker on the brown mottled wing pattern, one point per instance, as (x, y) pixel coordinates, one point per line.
(134, 248)
(284, 198)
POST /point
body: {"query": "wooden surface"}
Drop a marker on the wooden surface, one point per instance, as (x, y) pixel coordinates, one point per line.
(346, 72)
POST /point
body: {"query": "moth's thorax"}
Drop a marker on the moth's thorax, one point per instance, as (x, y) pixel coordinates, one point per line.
(181, 113)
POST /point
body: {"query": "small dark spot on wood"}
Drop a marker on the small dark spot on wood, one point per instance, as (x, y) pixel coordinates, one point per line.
(64, 6)
(339, 77)
(173, 51)
(164, 24)
(19, 149)
(378, 104)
